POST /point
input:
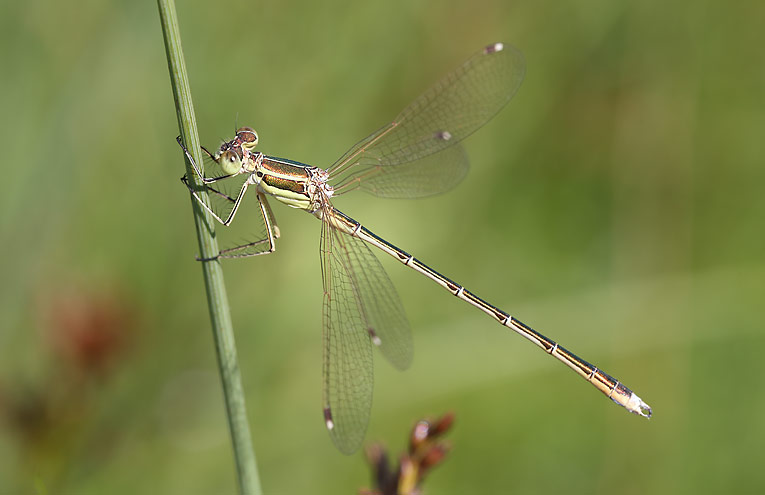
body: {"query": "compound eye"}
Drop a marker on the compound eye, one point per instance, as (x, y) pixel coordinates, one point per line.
(230, 162)
(248, 137)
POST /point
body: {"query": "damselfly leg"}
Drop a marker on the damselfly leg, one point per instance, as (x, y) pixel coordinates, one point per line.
(222, 205)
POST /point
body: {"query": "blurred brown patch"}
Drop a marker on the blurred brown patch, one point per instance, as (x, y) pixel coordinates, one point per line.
(88, 330)
(84, 335)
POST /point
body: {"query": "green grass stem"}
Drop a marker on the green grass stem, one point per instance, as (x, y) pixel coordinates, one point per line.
(217, 301)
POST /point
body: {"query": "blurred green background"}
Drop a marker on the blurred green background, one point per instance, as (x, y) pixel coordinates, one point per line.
(616, 205)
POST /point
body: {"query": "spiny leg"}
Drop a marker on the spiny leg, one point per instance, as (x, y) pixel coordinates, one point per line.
(236, 202)
(272, 233)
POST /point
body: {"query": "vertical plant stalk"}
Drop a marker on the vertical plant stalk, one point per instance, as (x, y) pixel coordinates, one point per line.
(217, 301)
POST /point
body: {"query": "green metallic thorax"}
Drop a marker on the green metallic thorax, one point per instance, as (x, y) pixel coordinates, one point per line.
(287, 181)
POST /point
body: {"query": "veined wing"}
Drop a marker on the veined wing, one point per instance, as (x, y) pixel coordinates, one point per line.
(361, 307)
(434, 174)
(448, 112)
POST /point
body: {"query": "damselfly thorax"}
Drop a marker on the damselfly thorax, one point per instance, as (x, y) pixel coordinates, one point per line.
(293, 183)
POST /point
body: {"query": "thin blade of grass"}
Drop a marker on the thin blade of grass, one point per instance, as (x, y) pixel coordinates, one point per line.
(217, 300)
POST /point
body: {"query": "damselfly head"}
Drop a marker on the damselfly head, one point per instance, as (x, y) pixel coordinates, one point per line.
(233, 153)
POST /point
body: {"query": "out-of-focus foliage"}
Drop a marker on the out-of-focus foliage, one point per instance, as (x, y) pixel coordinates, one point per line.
(616, 205)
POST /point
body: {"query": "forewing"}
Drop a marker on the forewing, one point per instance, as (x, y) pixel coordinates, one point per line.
(448, 112)
(433, 174)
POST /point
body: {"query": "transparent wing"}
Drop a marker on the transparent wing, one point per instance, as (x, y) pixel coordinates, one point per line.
(448, 112)
(361, 307)
(347, 362)
(434, 174)
(378, 300)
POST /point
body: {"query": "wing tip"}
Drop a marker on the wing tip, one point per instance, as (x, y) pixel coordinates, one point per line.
(375, 338)
(328, 419)
(494, 48)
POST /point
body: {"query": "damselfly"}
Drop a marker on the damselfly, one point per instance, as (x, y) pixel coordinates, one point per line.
(415, 155)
